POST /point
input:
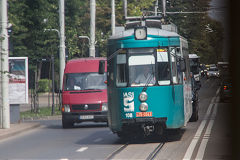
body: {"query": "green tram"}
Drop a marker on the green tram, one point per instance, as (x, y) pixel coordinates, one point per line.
(149, 82)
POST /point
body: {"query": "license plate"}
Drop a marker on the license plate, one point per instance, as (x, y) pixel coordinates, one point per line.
(143, 114)
(86, 117)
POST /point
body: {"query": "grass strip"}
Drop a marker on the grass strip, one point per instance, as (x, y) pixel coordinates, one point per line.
(43, 112)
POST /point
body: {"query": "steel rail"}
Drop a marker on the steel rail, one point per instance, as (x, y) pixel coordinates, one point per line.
(111, 156)
(155, 152)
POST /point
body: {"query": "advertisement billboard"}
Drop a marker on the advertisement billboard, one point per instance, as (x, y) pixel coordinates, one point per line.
(18, 80)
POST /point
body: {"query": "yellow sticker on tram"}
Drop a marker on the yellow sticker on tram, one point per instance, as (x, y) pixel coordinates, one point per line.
(162, 50)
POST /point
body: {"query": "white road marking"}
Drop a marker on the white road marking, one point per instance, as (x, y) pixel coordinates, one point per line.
(217, 91)
(98, 140)
(63, 159)
(194, 141)
(206, 136)
(213, 99)
(82, 149)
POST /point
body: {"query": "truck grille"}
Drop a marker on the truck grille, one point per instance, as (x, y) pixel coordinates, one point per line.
(86, 107)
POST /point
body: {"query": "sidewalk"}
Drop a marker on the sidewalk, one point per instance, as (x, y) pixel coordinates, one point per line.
(25, 125)
(17, 128)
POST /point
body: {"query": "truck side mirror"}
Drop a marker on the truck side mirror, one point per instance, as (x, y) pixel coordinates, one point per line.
(101, 68)
(182, 65)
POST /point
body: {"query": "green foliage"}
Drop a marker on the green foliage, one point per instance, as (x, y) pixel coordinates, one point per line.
(43, 85)
(205, 36)
(31, 17)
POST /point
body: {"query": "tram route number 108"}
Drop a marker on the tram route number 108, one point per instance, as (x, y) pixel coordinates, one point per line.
(128, 115)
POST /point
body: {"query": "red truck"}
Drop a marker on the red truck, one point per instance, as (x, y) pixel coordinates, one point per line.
(84, 94)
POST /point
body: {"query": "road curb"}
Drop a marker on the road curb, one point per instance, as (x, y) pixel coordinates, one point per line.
(17, 129)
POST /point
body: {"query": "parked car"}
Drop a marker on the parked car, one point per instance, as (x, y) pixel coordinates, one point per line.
(213, 72)
(84, 95)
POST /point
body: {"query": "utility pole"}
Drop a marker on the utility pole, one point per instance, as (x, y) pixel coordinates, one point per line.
(125, 8)
(164, 8)
(5, 109)
(156, 7)
(113, 17)
(53, 90)
(1, 104)
(92, 28)
(62, 42)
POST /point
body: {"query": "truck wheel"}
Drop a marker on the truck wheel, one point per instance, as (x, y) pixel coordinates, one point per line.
(66, 124)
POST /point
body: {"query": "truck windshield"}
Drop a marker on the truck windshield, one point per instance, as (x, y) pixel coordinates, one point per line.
(84, 81)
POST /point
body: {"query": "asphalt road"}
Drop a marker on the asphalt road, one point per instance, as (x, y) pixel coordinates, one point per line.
(96, 141)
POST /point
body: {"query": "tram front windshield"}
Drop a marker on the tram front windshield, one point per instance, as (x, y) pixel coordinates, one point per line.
(145, 67)
(141, 67)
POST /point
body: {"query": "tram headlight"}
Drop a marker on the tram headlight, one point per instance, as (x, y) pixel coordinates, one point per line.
(143, 96)
(143, 107)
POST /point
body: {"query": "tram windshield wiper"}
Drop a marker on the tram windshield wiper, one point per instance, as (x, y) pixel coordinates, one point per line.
(148, 81)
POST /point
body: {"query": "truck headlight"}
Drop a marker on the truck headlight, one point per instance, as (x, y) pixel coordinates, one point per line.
(66, 108)
(104, 107)
(143, 107)
(143, 96)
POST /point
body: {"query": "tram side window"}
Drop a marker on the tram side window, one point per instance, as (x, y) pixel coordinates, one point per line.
(179, 73)
(178, 58)
(121, 80)
(163, 67)
(174, 66)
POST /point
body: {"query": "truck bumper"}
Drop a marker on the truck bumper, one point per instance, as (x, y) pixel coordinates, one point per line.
(82, 117)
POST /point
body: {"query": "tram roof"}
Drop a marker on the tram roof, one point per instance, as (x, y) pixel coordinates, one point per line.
(151, 31)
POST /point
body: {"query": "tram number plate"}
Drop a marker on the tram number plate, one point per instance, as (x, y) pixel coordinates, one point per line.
(143, 114)
(86, 117)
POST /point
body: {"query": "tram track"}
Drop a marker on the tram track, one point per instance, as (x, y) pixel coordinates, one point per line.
(152, 154)
(113, 154)
(155, 152)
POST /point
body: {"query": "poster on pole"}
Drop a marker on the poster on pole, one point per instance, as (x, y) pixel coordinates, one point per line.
(18, 80)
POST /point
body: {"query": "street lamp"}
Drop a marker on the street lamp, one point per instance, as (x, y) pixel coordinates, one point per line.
(53, 30)
(86, 37)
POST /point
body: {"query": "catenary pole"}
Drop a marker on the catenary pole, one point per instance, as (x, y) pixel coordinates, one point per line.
(52, 62)
(62, 42)
(113, 17)
(164, 8)
(1, 66)
(125, 8)
(5, 110)
(92, 28)
(156, 7)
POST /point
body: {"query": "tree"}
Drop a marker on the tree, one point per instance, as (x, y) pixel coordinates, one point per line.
(29, 16)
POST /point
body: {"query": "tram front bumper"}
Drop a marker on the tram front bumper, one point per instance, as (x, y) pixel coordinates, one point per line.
(144, 120)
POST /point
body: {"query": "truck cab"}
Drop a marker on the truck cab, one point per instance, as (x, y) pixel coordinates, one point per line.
(84, 94)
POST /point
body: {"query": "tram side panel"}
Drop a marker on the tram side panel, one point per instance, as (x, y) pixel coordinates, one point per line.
(187, 81)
